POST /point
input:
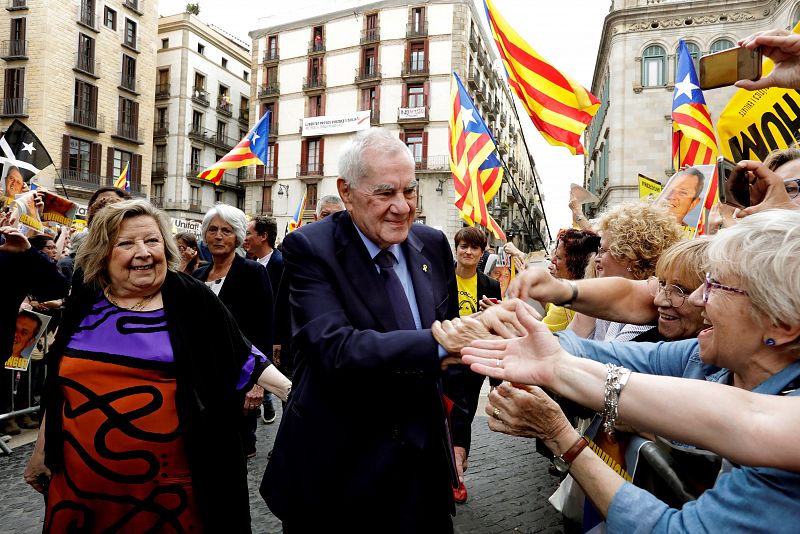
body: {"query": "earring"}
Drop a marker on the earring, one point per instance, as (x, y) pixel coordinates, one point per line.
(629, 269)
(769, 342)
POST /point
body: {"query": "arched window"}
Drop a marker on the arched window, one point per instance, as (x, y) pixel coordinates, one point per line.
(694, 51)
(721, 44)
(654, 62)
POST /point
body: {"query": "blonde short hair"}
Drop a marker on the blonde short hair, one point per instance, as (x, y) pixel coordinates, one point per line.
(639, 233)
(92, 257)
(687, 261)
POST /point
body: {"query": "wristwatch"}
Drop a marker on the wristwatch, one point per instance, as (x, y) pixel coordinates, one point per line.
(562, 463)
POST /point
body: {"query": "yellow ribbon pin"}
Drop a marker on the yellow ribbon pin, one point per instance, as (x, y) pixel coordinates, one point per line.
(424, 267)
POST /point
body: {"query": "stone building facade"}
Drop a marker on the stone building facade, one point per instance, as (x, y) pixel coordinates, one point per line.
(202, 102)
(634, 78)
(80, 74)
(394, 60)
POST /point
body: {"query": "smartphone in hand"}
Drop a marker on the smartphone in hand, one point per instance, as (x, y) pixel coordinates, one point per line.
(733, 184)
(725, 68)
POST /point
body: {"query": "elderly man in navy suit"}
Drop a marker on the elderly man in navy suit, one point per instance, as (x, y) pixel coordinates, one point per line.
(363, 445)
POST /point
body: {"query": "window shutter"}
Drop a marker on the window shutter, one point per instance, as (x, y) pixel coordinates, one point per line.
(64, 153)
(275, 159)
(259, 172)
(94, 158)
(136, 175)
(424, 146)
(425, 52)
(135, 119)
(321, 159)
(22, 28)
(110, 165)
(404, 96)
(120, 114)
(304, 154)
(322, 103)
(20, 90)
(425, 94)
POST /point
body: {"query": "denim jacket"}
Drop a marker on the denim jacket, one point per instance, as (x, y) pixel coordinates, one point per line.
(744, 499)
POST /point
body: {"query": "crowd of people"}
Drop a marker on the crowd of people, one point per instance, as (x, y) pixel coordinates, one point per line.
(167, 348)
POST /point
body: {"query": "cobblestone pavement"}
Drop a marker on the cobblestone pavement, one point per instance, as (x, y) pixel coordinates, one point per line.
(507, 482)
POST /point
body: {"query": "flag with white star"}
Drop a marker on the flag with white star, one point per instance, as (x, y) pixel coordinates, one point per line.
(693, 139)
(251, 150)
(20, 148)
(477, 171)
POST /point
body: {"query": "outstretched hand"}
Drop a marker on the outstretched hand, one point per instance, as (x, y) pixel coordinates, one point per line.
(783, 48)
(13, 240)
(528, 360)
(766, 192)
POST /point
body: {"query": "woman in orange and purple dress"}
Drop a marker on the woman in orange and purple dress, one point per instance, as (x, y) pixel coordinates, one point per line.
(146, 375)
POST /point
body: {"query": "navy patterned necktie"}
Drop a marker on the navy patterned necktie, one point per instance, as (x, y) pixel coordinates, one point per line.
(402, 310)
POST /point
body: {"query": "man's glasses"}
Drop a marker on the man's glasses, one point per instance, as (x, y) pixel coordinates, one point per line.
(675, 295)
(792, 186)
(713, 284)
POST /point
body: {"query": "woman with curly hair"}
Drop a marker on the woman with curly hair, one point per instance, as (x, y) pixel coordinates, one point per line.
(633, 235)
(568, 261)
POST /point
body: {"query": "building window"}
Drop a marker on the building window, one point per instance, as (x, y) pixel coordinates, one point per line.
(85, 53)
(164, 43)
(162, 118)
(369, 101)
(315, 66)
(369, 61)
(244, 108)
(271, 75)
(224, 63)
(417, 20)
(222, 131)
(414, 144)
(161, 156)
(318, 43)
(721, 44)
(79, 161)
(653, 61)
(271, 167)
(110, 18)
(416, 96)
(694, 51)
(313, 164)
(194, 159)
(201, 49)
(315, 106)
(245, 75)
(85, 111)
(158, 192)
(128, 73)
(128, 119)
(417, 57)
(199, 81)
(121, 158)
(130, 33)
(194, 196)
(224, 99)
(217, 196)
(311, 195)
(14, 95)
(272, 47)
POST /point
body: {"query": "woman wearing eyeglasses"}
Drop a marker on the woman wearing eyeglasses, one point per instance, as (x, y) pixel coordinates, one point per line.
(751, 304)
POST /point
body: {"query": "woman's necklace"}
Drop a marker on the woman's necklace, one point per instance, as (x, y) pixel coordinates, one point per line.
(136, 307)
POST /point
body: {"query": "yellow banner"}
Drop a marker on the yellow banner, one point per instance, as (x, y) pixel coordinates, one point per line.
(754, 123)
(648, 187)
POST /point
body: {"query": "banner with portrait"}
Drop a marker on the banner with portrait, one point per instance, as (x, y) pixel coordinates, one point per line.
(685, 194)
(29, 328)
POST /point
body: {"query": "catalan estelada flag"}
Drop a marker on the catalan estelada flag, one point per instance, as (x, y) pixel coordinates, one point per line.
(297, 218)
(693, 138)
(477, 171)
(559, 107)
(252, 149)
(124, 180)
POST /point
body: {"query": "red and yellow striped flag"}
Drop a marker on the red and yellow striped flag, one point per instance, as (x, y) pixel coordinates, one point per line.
(251, 150)
(124, 180)
(559, 107)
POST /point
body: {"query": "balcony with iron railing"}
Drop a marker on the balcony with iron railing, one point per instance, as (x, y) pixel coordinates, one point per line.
(432, 163)
(474, 44)
(310, 169)
(314, 83)
(14, 49)
(211, 137)
(80, 179)
(193, 169)
(200, 96)
(224, 106)
(127, 131)
(316, 47)
(16, 5)
(86, 17)
(474, 78)
(128, 82)
(87, 64)
(375, 117)
(158, 202)
(269, 89)
(135, 5)
(162, 90)
(159, 169)
(160, 129)
(14, 107)
(415, 29)
(271, 55)
(230, 179)
(412, 114)
(264, 207)
(415, 68)
(85, 119)
(273, 127)
(244, 116)
(368, 74)
(370, 35)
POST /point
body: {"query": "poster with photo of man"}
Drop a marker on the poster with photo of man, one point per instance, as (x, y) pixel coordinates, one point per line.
(685, 193)
(30, 327)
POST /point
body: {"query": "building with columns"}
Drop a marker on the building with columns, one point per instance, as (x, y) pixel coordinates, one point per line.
(80, 74)
(201, 111)
(634, 78)
(390, 62)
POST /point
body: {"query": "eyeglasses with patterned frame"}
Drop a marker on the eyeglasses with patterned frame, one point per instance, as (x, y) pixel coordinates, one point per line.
(713, 284)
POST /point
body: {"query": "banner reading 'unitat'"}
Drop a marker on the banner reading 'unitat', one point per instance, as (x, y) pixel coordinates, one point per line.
(754, 123)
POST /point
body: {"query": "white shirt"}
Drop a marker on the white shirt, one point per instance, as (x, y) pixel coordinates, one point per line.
(265, 260)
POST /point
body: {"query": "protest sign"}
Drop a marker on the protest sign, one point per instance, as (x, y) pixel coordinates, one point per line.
(30, 327)
(582, 195)
(685, 194)
(648, 188)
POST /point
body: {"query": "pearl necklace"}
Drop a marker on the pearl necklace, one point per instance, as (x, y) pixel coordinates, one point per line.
(136, 307)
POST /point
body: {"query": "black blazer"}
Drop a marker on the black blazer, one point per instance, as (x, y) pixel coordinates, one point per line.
(247, 293)
(366, 400)
(275, 270)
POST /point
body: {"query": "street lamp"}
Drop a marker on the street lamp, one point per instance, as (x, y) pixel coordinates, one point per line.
(283, 188)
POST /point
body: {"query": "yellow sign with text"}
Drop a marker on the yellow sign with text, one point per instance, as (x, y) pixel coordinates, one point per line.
(648, 188)
(754, 123)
